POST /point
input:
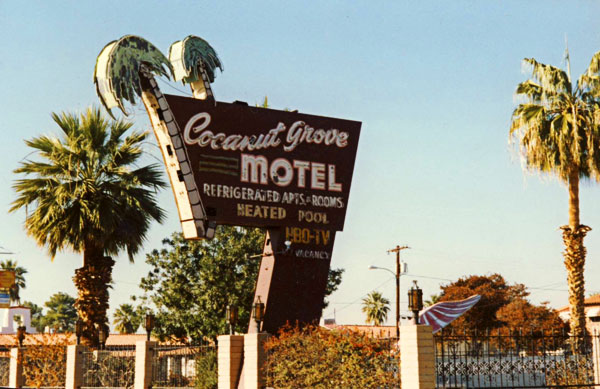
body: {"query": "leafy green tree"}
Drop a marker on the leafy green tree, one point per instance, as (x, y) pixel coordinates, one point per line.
(376, 307)
(88, 194)
(192, 282)
(61, 314)
(127, 319)
(334, 279)
(20, 272)
(37, 316)
(557, 128)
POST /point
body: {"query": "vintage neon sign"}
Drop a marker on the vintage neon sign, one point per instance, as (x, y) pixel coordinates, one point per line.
(229, 163)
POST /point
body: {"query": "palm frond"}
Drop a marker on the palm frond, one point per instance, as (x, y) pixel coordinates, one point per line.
(552, 78)
(117, 71)
(188, 54)
(557, 128)
(594, 67)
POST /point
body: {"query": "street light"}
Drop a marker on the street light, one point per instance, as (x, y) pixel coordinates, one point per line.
(397, 276)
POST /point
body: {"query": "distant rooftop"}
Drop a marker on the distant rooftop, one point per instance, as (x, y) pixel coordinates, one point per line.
(588, 302)
(374, 331)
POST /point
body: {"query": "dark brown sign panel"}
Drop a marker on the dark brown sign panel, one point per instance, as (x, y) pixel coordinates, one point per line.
(267, 168)
(291, 285)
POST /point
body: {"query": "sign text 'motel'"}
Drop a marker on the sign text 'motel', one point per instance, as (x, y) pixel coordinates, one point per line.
(267, 168)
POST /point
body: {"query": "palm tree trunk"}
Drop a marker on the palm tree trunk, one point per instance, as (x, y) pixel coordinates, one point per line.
(92, 282)
(574, 200)
(574, 256)
(201, 88)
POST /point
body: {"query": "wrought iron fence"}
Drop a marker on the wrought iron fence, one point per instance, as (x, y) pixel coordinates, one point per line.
(182, 366)
(393, 349)
(507, 359)
(4, 366)
(44, 366)
(110, 367)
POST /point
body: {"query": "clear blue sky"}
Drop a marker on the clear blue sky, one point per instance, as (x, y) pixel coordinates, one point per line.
(432, 82)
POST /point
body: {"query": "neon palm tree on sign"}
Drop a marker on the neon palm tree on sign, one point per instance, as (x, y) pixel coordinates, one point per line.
(125, 69)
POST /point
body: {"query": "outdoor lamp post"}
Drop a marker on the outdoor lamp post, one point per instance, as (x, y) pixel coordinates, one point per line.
(102, 337)
(21, 335)
(149, 325)
(258, 311)
(415, 301)
(232, 316)
(78, 330)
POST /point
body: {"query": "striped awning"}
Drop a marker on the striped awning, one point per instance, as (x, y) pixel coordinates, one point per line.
(441, 314)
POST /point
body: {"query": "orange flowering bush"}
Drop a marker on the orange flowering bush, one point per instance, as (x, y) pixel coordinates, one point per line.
(313, 357)
(44, 360)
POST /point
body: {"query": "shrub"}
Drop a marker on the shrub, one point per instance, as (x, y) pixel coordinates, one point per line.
(206, 370)
(45, 361)
(313, 357)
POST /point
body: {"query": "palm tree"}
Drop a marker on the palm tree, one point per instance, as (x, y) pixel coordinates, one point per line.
(127, 319)
(433, 299)
(20, 272)
(556, 126)
(376, 307)
(87, 194)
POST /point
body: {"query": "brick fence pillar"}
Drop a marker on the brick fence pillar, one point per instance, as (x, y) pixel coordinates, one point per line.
(144, 351)
(74, 375)
(596, 355)
(15, 372)
(230, 358)
(254, 374)
(417, 357)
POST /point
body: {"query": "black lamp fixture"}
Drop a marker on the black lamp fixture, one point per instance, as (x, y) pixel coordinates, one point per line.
(21, 335)
(415, 301)
(258, 311)
(149, 324)
(78, 330)
(232, 317)
(102, 336)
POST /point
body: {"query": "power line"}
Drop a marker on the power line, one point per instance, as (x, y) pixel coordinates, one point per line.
(363, 296)
(429, 277)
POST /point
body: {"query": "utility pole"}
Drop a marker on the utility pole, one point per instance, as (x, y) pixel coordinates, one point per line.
(397, 250)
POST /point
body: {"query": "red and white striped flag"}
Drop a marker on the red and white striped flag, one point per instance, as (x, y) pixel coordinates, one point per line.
(441, 314)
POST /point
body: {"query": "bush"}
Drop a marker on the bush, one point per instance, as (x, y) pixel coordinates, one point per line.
(45, 361)
(313, 357)
(206, 370)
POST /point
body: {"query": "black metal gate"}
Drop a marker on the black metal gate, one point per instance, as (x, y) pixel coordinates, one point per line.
(516, 359)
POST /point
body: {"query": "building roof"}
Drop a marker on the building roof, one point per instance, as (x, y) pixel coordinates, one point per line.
(589, 302)
(375, 331)
(9, 340)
